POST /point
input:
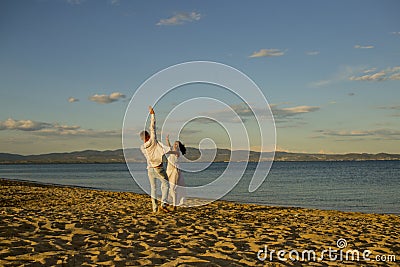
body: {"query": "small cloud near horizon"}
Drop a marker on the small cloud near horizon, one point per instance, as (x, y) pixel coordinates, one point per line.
(387, 134)
(267, 53)
(75, 2)
(292, 111)
(364, 46)
(312, 53)
(320, 83)
(390, 107)
(180, 18)
(369, 70)
(106, 99)
(73, 99)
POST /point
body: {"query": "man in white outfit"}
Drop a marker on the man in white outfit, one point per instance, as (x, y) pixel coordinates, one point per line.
(154, 151)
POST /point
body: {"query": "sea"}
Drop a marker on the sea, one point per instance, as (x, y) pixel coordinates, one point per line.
(358, 186)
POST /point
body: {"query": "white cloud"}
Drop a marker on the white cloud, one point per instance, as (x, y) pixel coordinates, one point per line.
(378, 76)
(312, 53)
(244, 112)
(54, 129)
(77, 131)
(394, 69)
(345, 133)
(268, 53)
(106, 99)
(292, 111)
(73, 99)
(180, 18)
(382, 75)
(369, 70)
(390, 107)
(395, 33)
(75, 2)
(115, 2)
(395, 76)
(23, 125)
(241, 110)
(203, 120)
(342, 74)
(388, 134)
(364, 46)
(395, 108)
(320, 83)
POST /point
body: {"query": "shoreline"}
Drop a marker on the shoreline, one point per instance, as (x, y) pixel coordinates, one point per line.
(52, 225)
(139, 162)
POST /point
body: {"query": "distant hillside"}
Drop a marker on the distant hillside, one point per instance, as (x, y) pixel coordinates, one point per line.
(87, 156)
(134, 155)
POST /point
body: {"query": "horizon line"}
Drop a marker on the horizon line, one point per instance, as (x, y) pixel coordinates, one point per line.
(276, 151)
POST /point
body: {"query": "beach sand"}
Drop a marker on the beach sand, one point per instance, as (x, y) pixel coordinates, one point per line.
(53, 225)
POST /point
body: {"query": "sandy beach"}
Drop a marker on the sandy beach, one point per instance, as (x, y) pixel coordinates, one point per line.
(53, 225)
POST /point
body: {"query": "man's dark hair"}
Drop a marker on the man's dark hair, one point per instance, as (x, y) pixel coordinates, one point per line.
(144, 135)
(182, 148)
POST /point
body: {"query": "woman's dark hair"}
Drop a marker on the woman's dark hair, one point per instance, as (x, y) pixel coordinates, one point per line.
(182, 148)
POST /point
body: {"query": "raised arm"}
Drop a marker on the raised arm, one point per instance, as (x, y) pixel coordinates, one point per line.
(169, 145)
(153, 135)
(167, 140)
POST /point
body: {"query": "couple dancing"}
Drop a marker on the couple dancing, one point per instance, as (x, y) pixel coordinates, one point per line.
(171, 180)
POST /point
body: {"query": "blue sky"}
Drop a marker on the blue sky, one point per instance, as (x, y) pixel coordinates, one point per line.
(329, 69)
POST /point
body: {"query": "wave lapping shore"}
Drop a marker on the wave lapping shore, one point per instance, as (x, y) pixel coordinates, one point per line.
(66, 226)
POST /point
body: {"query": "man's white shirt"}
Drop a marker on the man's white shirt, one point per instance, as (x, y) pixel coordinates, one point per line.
(154, 150)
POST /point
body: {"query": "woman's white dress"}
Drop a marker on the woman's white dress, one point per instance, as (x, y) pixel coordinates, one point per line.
(176, 182)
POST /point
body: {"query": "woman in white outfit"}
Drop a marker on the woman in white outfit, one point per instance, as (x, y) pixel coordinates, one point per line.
(175, 178)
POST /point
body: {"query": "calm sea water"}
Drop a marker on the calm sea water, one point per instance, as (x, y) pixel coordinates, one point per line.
(372, 186)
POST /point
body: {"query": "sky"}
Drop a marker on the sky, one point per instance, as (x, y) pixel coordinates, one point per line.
(330, 70)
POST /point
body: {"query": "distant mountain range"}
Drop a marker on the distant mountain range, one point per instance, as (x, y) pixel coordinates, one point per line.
(222, 155)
